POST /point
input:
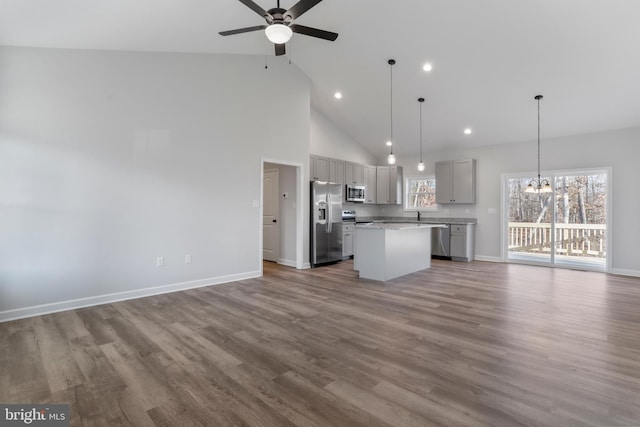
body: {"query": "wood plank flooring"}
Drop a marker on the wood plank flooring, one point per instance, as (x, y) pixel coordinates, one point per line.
(476, 344)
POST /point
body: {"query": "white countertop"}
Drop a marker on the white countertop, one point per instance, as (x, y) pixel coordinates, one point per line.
(398, 226)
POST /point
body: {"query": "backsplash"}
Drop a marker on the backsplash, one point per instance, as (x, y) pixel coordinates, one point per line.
(451, 211)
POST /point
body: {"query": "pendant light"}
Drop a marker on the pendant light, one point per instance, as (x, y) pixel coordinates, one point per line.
(421, 164)
(538, 185)
(391, 158)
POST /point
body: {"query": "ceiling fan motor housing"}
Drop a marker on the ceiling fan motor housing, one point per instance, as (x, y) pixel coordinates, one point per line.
(278, 16)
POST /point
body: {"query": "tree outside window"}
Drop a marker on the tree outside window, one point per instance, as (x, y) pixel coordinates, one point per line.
(421, 193)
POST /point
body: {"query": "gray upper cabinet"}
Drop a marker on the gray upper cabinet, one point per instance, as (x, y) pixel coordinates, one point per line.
(370, 178)
(354, 173)
(382, 184)
(319, 167)
(395, 185)
(456, 181)
(389, 185)
(336, 171)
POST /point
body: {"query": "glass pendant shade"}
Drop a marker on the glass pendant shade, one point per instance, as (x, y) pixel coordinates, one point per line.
(421, 167)
(278, 33)
(530, 189)
(391, 159)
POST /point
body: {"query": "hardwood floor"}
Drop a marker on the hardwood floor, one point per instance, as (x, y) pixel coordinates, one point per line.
(457, 345)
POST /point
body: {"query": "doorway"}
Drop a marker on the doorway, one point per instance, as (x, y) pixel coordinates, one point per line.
(567, 227)
(281, 213)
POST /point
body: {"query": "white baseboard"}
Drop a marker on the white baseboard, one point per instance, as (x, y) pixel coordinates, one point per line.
(287, 262)
(306, 265)
(623, 272)
(37, 310)
(488, 258)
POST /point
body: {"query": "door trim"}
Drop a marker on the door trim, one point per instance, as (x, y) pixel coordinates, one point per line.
(300, 208)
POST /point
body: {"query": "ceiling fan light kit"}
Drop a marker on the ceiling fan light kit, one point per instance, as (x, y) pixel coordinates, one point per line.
(278, 33)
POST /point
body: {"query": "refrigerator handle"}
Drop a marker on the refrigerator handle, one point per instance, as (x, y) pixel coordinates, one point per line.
(329, 214)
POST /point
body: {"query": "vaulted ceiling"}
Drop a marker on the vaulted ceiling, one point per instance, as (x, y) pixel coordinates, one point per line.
(490, 58)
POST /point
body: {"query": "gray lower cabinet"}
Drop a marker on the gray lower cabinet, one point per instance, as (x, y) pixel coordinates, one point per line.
(348, 236)
(462, 242)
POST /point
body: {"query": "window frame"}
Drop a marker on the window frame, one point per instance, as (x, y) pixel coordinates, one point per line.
(407, 194)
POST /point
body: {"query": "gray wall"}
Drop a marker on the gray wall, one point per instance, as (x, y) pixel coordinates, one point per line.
(111, 159)
(618, 149)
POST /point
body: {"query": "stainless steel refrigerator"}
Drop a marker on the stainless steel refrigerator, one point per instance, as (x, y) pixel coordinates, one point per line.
(326, 223)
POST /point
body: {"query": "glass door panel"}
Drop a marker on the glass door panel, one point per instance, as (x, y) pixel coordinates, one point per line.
(581, 221)
(529, 236)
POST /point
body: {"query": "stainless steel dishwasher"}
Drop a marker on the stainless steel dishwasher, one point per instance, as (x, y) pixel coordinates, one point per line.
(441, 242)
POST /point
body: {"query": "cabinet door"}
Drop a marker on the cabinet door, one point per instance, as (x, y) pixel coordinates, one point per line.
(463, 181)
(358, 173)
(370, 184)
(395, 185)
(319, 168)
(336, 171)
(382, 184)
(354, 173)
(443, 182)
(459, 245)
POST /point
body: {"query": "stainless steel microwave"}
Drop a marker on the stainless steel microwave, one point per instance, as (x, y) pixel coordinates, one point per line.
(355, 193)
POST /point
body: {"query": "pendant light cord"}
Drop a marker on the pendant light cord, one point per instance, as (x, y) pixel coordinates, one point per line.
(539, 177)
(420, 131)
(391, 103)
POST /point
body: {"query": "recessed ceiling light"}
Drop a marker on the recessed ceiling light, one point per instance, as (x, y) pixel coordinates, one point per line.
(337, 95)
(467, 131)
(389, 143)
(427, 67)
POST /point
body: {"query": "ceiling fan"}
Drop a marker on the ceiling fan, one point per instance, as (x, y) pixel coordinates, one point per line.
(280, 26)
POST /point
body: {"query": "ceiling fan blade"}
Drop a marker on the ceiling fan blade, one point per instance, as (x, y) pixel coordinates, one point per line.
(257, 9)
(301, 7)
(280, 50)
(242, 30)
(313, 32)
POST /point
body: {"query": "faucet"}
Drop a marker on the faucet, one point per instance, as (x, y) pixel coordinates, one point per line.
(419, 215)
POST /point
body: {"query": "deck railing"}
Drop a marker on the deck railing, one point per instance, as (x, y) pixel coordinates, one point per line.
(581, 240)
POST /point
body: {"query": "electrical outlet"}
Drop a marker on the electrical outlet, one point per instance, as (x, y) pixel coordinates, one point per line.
(160, 261)
(187, 259)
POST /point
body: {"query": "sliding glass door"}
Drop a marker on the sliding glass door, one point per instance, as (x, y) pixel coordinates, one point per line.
(567, 227)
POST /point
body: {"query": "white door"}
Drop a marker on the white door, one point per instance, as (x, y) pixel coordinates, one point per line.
(271, 216)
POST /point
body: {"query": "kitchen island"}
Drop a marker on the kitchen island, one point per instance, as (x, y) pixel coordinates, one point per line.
(385, 251)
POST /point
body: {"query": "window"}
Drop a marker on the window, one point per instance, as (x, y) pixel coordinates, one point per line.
(420, 193)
